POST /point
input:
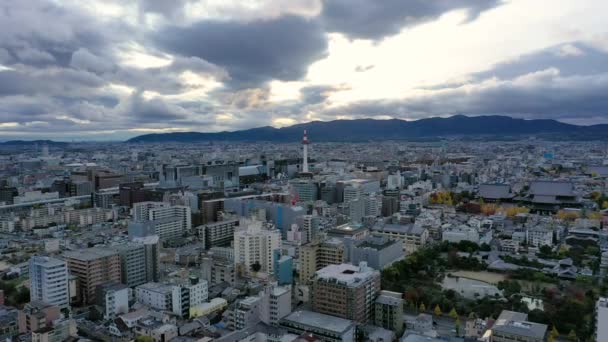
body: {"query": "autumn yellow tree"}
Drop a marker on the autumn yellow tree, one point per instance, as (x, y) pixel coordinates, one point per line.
(568, 215)
(422, 307)
(438, 310)
(453, 313)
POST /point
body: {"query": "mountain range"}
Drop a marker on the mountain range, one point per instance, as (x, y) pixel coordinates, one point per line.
(395, 129)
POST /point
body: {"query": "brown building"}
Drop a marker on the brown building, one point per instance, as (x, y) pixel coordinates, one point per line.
(93, 266)
(346, 291)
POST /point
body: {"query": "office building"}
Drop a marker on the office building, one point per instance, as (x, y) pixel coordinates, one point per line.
(346, 291)
(49, 281)
(93, 267)
(306, 190)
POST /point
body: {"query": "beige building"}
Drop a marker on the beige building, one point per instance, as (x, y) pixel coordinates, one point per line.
(93, 266)
(316, 255)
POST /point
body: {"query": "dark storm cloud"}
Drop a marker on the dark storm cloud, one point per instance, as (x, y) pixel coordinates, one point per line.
(27, 81)
(43, 33)
(139, 109)
(251, 52)
(373, 19)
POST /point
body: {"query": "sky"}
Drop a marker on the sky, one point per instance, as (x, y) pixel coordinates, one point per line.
(114, 69)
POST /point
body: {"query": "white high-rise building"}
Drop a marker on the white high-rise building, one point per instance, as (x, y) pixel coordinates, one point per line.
(254, 244)
(168, 220)
(49, 281)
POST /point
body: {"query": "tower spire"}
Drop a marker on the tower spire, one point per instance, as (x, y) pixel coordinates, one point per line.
(305, 143)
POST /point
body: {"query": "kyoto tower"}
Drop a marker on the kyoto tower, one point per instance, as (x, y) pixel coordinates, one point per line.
(305, 143)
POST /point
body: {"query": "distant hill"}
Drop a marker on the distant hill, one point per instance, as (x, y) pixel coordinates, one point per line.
(394, 129)
(39, 143)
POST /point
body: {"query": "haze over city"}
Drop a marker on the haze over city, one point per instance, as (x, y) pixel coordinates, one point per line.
(111, 70)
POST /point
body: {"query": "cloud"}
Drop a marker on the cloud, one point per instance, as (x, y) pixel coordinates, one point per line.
(85, 60)
(251, 52)
(541, 94)
(371, 19)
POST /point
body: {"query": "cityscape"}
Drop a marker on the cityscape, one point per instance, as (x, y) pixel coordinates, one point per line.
(306, 170)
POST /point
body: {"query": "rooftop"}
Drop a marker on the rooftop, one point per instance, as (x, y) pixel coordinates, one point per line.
(89, 253)
(346, 274)
(319, 320)
(408, 229)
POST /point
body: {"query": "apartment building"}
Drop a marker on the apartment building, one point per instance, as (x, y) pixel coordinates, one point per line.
(346, 291)
(93, 267)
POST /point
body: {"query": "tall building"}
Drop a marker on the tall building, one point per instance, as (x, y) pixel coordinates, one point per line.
(138, 260)
(306, 189)
(93, 267)
(279, 299)
(346, 291)
(309, 224)
(217, 234)
(254, 244)
(316, 255)
(160, 218)
(283, 268)
(49, 281)
(388, 311)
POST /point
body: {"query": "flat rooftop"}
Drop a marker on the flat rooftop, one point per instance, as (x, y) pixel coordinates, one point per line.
(320, 321)
(346, 274)
(89, 253)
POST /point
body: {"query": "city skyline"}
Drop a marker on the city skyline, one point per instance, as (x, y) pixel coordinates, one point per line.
(111, 70)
